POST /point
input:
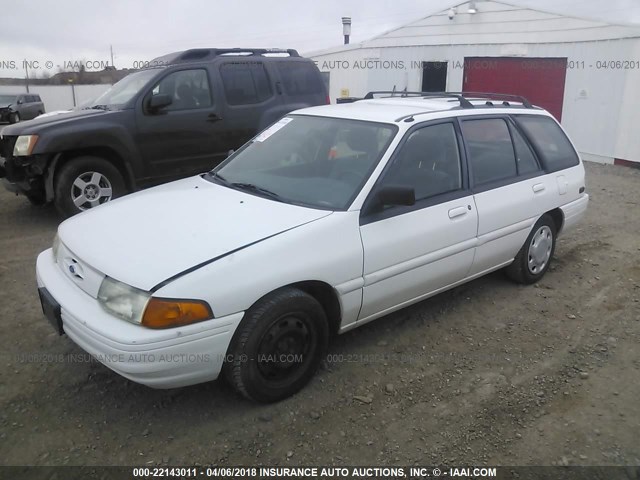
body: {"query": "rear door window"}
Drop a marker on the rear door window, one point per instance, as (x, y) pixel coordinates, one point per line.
(525, 159)
(490, 150)
(245, 82)
(549, 141)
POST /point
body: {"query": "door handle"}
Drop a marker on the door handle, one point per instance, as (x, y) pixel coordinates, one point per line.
(538, 187)
(457, 212)
(212, 117)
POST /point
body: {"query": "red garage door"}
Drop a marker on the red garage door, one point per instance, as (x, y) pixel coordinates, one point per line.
(540, 80)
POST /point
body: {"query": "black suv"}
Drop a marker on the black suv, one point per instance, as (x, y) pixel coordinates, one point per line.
(21, 106)
(181, 116)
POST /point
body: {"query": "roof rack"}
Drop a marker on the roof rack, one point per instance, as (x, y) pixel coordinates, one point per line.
(462, 97)
(201, 54)
(464, 103)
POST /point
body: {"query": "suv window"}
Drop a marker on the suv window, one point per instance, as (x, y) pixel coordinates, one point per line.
(245, 82)
(188, 88)
(549, 141)
(300, 78)
(429, 161)
(490, 149)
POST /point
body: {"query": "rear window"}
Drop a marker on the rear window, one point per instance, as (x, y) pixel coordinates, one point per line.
(245, 83)
(490, 150)
(300, 78)
(550, 142)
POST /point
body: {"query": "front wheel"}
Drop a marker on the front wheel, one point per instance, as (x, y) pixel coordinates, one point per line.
(14, 117)
(278, 346)
(533, 259)
(86, 182)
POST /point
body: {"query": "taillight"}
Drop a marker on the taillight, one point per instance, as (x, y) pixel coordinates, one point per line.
(328, 100)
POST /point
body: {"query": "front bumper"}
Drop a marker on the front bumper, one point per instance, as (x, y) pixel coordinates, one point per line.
(168, 358)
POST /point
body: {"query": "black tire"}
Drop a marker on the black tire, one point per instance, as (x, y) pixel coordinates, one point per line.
(83, 168)
(14, 117)
(278, 346)
(527, 268)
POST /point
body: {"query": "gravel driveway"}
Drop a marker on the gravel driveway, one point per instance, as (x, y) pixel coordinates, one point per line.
(488, 373)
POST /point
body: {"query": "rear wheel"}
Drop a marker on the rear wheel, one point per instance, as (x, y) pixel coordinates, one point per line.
(278, 346)
(86, 182)
(533, 259)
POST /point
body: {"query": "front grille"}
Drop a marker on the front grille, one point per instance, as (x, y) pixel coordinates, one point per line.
(6, 146)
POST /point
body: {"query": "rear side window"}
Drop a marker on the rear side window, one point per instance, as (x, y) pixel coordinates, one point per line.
(550, 142)
(490, 150)
(300, 78)
(245, 83)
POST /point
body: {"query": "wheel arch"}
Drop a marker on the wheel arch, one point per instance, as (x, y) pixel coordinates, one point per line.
(558, 218)
(102, 152)
(324, 293)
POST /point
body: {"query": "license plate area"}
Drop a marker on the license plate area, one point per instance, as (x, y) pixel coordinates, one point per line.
(51, 310)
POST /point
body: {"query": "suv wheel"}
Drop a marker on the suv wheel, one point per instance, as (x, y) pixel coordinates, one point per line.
(86, 182)
(14, 117)
(278, 346)
(534, 257)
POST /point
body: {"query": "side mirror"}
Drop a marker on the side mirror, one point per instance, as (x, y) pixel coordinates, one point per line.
(159, 101)
(396, 195)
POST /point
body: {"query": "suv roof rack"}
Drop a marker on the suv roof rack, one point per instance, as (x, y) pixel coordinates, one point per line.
(201, 54)
(462, 97)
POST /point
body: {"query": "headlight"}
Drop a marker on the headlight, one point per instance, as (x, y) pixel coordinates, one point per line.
(55, 247)
(122, 300)
(24, 145)
(138, 306)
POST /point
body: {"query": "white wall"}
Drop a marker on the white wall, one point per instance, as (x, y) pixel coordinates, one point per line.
(601, 107)
(59, 97)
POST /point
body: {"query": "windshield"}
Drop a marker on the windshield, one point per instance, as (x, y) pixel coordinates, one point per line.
(312, 161)
(124, 90)
(6, 99)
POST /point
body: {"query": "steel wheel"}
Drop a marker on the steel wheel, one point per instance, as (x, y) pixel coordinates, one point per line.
(278, 345)
(540, 250)
(90, 189)
(283, 349)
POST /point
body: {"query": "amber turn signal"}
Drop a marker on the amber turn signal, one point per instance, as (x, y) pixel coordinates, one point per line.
(167, 313)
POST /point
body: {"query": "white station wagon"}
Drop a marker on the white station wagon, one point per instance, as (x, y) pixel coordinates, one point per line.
(330, 218)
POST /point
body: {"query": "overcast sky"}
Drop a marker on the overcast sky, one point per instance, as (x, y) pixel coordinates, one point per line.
(54, 32)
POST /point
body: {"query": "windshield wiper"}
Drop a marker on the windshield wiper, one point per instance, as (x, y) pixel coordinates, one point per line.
(219, 177)
(254, 188)
(97, 107)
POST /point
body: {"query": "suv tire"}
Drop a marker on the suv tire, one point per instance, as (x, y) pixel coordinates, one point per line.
(533, 259)
(86, 182)
(278, 346)
(14, 117)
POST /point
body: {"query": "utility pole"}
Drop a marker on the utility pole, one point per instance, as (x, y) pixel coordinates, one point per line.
(26, 75)
(111, 49)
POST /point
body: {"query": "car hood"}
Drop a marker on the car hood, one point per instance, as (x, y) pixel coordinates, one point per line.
(33, 126)
(5, 105)
(150, 236)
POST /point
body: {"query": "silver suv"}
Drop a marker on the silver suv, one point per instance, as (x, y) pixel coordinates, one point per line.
(21, 106)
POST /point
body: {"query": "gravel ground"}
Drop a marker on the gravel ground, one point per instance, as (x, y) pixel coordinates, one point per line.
(488, 373)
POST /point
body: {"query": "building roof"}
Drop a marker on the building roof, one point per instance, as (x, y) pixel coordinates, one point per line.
(495, 23)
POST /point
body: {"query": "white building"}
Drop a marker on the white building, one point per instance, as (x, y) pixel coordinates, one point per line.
(586, 72)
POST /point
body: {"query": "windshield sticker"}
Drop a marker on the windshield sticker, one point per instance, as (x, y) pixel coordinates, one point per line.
(272, 129)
